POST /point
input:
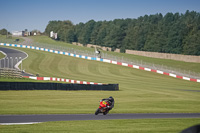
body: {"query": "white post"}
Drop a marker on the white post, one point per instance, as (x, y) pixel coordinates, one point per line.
(8, 62)
(11, 62)
(21, 62)
(16, 59)
(21, 67)
(4, 63)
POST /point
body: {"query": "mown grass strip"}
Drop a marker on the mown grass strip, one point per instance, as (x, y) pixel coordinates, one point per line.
(108, 126)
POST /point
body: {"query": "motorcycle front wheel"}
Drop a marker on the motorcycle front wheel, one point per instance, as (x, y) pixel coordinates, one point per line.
(97, 112)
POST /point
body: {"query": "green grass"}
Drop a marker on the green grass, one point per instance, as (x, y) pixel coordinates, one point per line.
(140, 91)
(82, 102)
(3, 39)
(1, 55)
(180, 65)
(108, 126)
(6, 79)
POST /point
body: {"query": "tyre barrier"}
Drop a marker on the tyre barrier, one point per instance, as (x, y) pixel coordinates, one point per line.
(56, 86)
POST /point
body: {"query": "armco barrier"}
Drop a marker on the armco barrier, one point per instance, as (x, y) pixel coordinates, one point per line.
(56, 86)
(103, 60)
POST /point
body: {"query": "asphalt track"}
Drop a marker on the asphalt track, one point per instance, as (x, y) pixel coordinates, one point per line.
(71, 117)
(12, 58)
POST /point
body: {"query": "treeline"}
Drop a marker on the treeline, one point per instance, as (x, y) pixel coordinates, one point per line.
(171, 33)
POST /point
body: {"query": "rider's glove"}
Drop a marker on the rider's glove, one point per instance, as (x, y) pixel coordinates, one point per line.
(108, 106)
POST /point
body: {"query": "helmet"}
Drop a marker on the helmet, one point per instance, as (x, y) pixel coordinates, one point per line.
(111, 98)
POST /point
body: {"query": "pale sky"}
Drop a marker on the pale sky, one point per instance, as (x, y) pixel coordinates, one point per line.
(35, 14)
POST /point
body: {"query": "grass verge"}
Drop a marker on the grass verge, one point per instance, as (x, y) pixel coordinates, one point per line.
(1, 55)
(108, 126)
(11, 40)
(86, 102)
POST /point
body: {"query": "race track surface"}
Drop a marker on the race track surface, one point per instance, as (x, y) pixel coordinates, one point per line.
(72, 117)
(13, 57)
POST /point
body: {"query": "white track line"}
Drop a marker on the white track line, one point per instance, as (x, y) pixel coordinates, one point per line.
(26, 123)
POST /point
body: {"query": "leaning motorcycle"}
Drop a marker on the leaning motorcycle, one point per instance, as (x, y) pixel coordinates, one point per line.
(103, 108)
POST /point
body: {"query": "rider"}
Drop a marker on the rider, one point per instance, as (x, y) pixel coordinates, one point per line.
(111, 102)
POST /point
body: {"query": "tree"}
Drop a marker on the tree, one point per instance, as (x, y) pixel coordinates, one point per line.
(85, 35)
(192, 44)
(171, 33)
(3, 32)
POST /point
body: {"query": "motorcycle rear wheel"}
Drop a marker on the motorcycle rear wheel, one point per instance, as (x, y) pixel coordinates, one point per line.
(105, 113)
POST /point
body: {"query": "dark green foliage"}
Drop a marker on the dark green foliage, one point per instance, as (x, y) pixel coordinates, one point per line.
(3, 32)
(172, 33)
(122, 50)
(85, 35)
(65, 30)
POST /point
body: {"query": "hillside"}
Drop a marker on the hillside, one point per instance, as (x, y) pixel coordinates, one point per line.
(155, 63)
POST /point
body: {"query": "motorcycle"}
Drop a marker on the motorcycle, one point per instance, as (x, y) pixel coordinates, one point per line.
(103, 108)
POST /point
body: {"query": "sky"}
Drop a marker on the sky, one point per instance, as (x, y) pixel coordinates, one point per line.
(18, 15)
